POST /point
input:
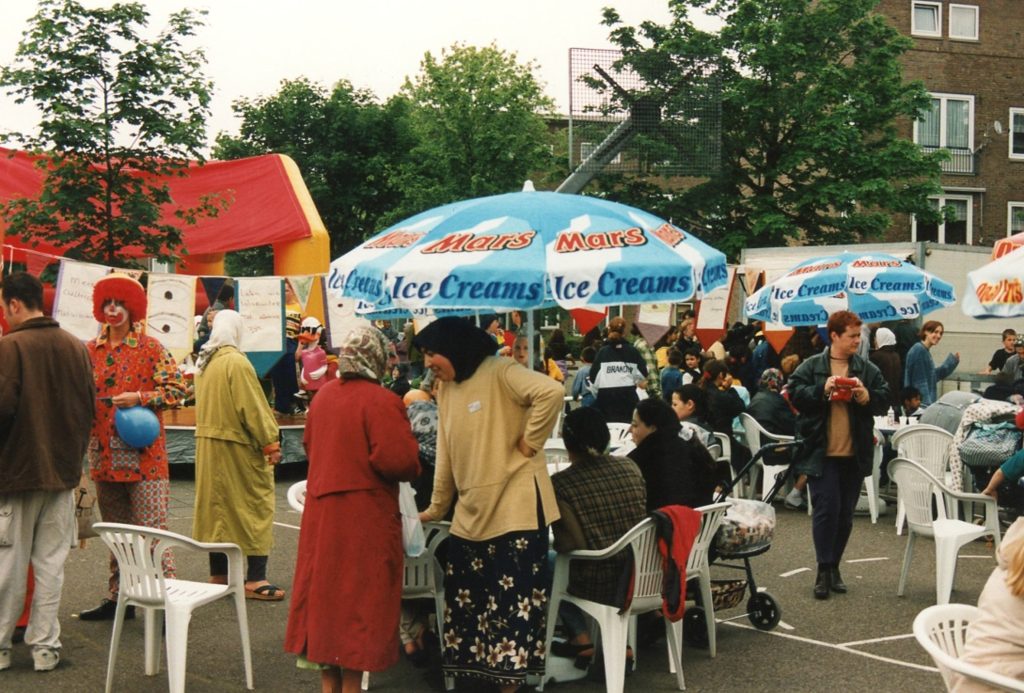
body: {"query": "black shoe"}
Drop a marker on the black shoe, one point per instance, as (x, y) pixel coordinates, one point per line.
(836, 580)
(105, 612)
(823, 584)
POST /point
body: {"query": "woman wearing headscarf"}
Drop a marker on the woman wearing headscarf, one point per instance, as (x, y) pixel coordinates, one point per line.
(236, 449)
(348, 575)
(887, 358)
(493, 418)
(676, 471)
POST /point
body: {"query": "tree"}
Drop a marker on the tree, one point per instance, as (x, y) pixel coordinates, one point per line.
(479, 119)
(812, 95)
(347, 145)
(120, 114)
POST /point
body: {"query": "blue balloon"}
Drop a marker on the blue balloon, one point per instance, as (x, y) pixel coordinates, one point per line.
(137, 426)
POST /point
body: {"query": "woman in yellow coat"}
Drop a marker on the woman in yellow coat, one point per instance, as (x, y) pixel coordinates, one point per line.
(236, 448)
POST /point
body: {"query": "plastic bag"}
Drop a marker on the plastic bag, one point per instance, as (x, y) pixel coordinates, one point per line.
(747, 525)
(414, 541)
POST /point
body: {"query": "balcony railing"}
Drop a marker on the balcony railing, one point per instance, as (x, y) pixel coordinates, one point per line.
(962, 161)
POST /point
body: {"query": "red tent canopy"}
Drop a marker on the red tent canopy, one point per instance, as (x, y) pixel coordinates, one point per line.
(269, 203)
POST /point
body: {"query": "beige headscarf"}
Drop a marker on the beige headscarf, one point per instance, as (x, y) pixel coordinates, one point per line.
(364, 354)
(227, 330)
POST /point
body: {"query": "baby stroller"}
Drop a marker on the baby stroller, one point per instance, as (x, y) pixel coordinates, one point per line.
(746, 532)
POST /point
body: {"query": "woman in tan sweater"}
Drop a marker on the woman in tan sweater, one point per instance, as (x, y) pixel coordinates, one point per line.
(493, 418)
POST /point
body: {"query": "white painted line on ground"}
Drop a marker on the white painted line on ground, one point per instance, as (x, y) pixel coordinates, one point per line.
(868, 560)
(832, 646)
(791, 573)
(874, 640)
(972, 556)
(281, 524)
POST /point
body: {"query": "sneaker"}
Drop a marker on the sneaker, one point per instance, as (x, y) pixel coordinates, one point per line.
(5, 659)
(795, 500)
(45, 658)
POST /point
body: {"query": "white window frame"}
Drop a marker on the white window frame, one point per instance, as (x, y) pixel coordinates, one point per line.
(943, 199)
(1009, 217)
(914, 31)
(1009, 144)
(977, 21)
(943, 98)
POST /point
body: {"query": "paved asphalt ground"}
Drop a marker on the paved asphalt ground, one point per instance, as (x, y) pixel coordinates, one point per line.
(858, 641)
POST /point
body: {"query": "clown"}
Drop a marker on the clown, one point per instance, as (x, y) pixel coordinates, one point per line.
(130, 369)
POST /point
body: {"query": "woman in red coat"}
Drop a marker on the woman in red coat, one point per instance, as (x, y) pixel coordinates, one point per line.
(348, 577)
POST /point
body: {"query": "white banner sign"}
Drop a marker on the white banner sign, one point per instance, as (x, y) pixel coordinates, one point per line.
(172, 301)
(260, 301)
(72, 304)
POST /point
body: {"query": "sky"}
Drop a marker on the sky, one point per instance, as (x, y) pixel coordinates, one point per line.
(252, 45)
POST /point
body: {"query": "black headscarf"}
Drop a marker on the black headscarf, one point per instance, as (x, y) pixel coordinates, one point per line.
(462, 343)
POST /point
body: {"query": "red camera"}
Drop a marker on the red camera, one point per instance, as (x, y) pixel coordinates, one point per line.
(843, 390)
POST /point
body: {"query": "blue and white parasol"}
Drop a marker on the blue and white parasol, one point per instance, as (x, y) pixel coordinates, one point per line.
(527, 250)
(875, 286)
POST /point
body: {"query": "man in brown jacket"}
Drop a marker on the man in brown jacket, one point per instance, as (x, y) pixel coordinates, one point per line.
(47, 401)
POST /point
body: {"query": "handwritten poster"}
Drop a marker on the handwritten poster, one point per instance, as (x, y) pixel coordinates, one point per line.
(72, 304)
(713, 315)
(172, 299)
(341, 317)
(260, 301)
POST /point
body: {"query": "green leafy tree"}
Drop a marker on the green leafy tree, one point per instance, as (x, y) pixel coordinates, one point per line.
(119, 114)
(346, 144)
(478, 116)
(813, 94)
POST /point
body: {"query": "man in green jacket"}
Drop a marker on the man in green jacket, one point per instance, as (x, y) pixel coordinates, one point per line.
(47, 398)
(837, 393)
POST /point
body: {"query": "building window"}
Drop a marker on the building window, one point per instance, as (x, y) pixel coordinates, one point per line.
(1014, 218)
(1017, 133)
(948, 123)
(926, 18)
(963, 22)
(956, 229)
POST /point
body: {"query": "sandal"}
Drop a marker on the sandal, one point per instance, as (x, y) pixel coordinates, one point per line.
(265, 593)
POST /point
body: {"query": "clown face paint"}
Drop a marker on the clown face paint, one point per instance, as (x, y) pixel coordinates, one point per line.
(115, 313)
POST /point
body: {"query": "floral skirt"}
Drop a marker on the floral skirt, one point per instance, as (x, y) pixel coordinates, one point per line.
(496, 595)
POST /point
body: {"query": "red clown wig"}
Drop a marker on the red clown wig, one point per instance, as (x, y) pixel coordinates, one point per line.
(119, 287)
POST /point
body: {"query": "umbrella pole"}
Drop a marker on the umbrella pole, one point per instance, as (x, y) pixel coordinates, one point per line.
(529, 339)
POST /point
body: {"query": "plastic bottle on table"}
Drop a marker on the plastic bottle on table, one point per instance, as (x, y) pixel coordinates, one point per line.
(890, 417)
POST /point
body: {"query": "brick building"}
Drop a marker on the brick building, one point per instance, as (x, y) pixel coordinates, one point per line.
(970, 56)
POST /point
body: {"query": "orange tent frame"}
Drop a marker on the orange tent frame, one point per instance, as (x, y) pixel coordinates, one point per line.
(269, 205)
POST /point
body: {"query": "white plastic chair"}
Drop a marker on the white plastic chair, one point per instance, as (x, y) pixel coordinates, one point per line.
(297, 496)
(871, 482)
(757, 437)
(423, 578)
(620, 434)
(942, 631)
(916, 488)
(928, 446)
(725, 444)
(556, 456)
(698, 567)
(139, 552)
(614, 627)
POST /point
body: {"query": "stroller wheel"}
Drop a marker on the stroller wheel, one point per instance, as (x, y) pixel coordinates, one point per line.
(763, 611)
(695, 628)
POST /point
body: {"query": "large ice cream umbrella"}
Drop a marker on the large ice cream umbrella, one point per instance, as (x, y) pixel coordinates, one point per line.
(996, 290)
(527, 250)
(875, 286)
